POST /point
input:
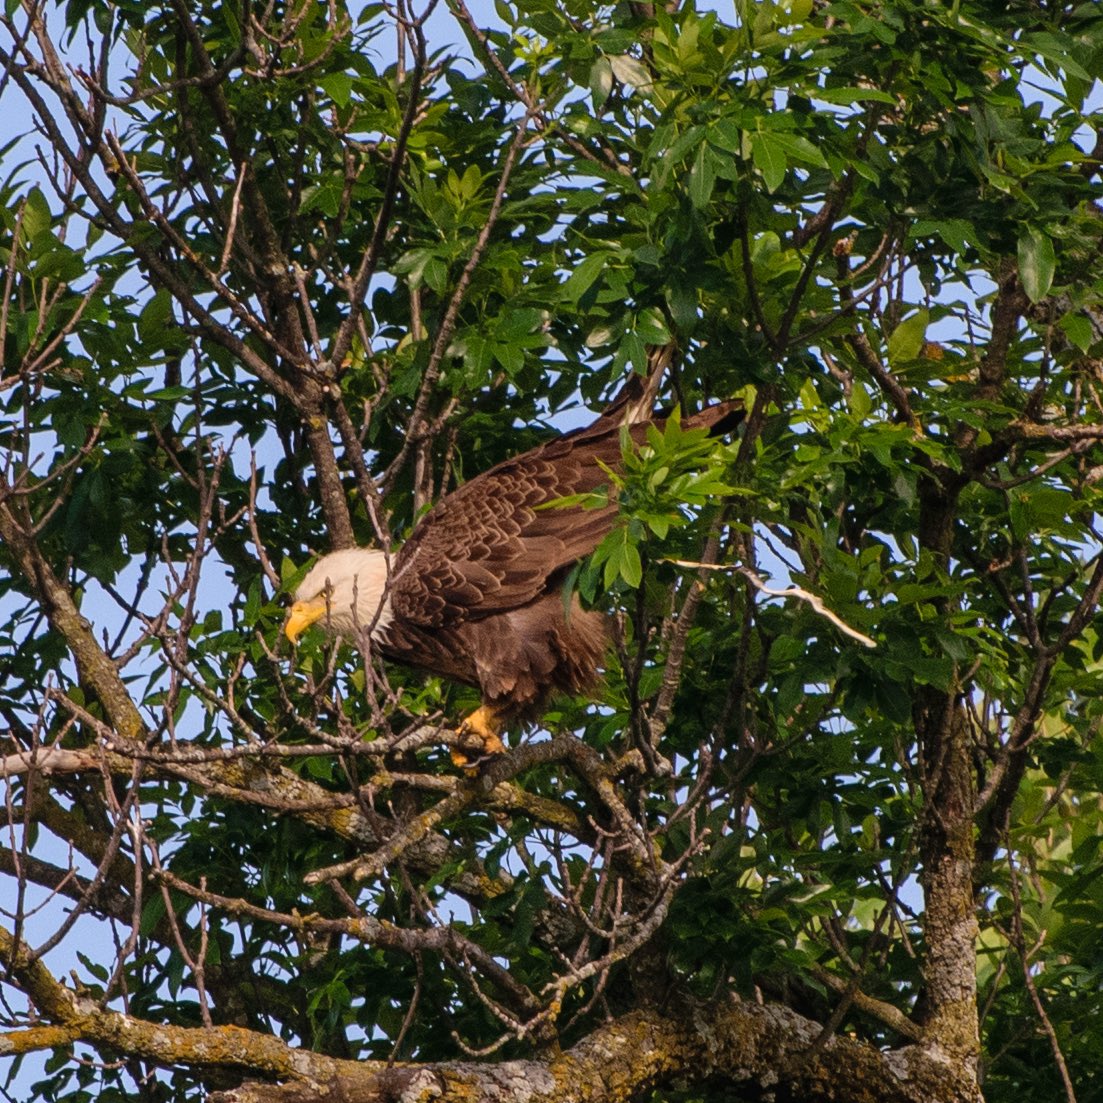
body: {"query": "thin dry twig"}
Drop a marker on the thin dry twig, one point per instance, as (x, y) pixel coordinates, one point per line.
(793, 591)
(1028, 978)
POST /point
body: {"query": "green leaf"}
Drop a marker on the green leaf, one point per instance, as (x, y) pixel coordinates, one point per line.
(1078, 328)
(958, 233)
(846, 96)
(860, 402)
(582, 278)
(631, 569)
(702, 178)
(36, 215)
(1058, 49)
(339, 87)
(601, 82)
(797, 147)
(907, 338)
(156, 317)
(1037, 263)
(681, 297)
(769, 158)
(324, 197)
(630, 70)
(652, 328)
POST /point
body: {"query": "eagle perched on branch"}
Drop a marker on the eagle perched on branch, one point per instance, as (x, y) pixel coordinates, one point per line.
(476, 593)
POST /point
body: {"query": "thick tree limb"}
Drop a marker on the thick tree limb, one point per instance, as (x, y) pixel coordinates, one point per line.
(737, 1043)
(734, 1041)
(96, 669)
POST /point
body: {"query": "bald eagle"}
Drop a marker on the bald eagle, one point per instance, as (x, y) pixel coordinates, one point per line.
(476, 593)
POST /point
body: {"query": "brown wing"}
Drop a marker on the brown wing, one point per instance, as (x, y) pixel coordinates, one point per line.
(487, 548)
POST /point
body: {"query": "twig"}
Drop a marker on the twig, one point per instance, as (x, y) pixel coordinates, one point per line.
(1028, 978)
(891, 1016)
(415, 430)
(793, 591)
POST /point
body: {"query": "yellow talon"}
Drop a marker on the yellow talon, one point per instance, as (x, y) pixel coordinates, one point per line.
(486, 724)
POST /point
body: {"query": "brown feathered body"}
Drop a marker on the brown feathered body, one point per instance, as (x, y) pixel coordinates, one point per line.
(476, 593)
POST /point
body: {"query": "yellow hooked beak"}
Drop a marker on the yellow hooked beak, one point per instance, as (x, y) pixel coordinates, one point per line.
(302, 615)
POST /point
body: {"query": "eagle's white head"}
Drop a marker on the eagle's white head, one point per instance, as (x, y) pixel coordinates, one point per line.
(346, 592)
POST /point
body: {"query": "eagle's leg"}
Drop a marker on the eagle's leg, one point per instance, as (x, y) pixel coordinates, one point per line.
(485, 723)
